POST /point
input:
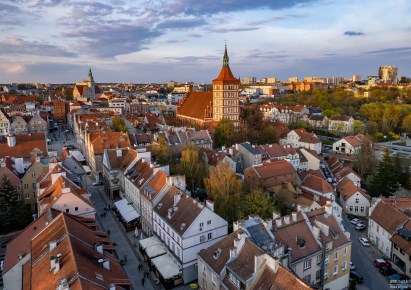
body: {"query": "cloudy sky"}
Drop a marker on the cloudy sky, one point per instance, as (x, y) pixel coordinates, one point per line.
(183, 40)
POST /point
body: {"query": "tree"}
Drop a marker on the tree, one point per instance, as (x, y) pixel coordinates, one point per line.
(224, 133)
(14, 214)
(118, 124)
(390, 118)
(358, 127)
(224, 187)
(371, 128)
(161, 151)
(385, 180)
(364, 161)
(193, 166)
(406, 124)
(257, 202)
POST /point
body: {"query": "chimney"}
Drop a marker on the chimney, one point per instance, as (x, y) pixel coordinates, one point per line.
(232, 252)
(11, 140)
(63, 285)
(119, 152)
(287, 219)
(275, 215)
(99, 248)
(52, 245)
(294, 216)
(106, 264)
(328, 207)
(170, 211)
(112, 287)
(210, 205)
(278, 223)
(177, 197)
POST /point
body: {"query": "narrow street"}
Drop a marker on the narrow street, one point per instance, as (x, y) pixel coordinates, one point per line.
(363, 258)
(126, 245)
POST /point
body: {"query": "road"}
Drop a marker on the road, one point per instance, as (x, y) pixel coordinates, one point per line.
(363, 258)
(61, 138)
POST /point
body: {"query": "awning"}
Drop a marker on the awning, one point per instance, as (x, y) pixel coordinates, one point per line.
(126, 210)
(166, 266)
(155, 251)
(148, 242)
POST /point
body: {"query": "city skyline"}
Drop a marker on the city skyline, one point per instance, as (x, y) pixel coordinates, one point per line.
(57, 41)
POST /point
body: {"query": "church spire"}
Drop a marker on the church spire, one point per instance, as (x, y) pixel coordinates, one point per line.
(225, 59)
(90, 75)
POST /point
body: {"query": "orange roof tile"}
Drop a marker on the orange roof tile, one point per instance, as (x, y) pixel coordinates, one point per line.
(195, 105)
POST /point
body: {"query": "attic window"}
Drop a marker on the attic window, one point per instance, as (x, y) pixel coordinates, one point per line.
(99, 276)
(217, 253)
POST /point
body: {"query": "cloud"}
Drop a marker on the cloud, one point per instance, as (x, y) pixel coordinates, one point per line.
(353, 33)
(112, 40)
(390, 50)
(227, 30)
(18, 46)
(210, 7)
(181, 23)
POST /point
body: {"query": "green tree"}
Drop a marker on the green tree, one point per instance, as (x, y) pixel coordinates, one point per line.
(385, 180)
(193, 166)
(390, 118)
(14, 214)
(406, 124)
(161, 151)
(224, 188)
(358, 127)
(257, 202)
(224, 133)
(118, 124)
(371, 128)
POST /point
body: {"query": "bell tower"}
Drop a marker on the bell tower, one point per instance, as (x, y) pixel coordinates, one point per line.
(226, 93)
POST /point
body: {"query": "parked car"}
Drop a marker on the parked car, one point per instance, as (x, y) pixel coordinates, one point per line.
(381, 263)
(351, 216)
(360, 227)
(357, 276)
(352, 266)
(364, 242)
(355, 221)
(97, 183)
(387, 271)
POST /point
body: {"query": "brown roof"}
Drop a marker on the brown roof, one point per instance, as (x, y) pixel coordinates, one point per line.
(308, 137)
(25, 145)
(356, 140)
(195, 105)
(243, 264)
(344, 118)
(154, 186)
(274, 168)
(21, 242)
(140, 173)
(280, 280)
(218, 262)
(110, 140)
(403, 243)
(187, 210)
(79, 258)
(317, 183)
(226, 75)
(335, 232)
(347, 188)
(123, 161)
(388, 216)
(294, 233)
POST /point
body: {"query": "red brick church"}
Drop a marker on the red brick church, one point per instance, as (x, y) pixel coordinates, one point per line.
(203, 108)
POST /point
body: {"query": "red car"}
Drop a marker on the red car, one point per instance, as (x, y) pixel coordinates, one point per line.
(381, 263)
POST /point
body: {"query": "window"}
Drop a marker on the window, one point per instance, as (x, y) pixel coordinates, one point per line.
(325, 274)
(34, 185)
(76, 208)
(362, 209)
(344, 265)
(204, 267)
(317, 274)
(214, 278)
(173, 247)
(307, 264)
(335, 270)
(26, 186)
(67, 210)
(307, 278)
(27, 195)
(202, 238)
(345, 251)
(209, 236)
(335, 255)
(327, 259)
(356, 208)
(318, 259)
(18, 197)
(209, 222)
(201, 225)
(234, 280)
(357, 200)
(18, 187)
(351, 208)
(33, 174)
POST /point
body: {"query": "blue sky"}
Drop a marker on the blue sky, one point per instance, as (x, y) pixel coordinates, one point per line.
(183, 40)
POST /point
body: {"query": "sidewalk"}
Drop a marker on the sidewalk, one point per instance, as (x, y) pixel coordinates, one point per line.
(124, 246)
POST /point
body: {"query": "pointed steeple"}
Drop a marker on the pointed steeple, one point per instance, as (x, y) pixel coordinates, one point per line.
(90, 75)
(225, 58)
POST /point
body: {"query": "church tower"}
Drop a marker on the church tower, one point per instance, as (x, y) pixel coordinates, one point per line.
(91, 85)
(226, 93)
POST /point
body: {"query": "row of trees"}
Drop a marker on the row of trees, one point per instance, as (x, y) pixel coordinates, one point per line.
(14, 214)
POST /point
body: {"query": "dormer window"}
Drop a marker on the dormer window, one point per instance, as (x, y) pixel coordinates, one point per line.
(234, 280)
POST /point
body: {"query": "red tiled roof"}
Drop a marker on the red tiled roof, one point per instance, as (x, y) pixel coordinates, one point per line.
(195, 105)
(388, 216)
(226, 75)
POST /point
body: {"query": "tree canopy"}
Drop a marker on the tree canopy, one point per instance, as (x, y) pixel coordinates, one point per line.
(258, 203)
(118, 124)
(385, 180)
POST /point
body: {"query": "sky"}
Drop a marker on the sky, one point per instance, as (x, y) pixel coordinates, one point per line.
(141, 41)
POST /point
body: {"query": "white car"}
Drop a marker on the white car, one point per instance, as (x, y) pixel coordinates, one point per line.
(360, 227)
(364, 242)
(355, 221)
(352, 266)
(97, 183)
